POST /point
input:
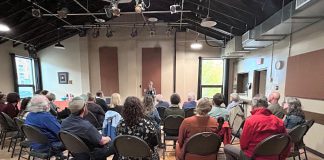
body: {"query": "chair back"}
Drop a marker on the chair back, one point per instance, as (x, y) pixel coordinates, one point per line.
(297, 133)
(6, 122)
(131, 147)
(280, 115)
(161, 112)
(33, 134)
(92, 119)
(172, 124)
(203, 144)
(73, 143)
(309, 124)
(272, 146)
(189, 112)
(19, 123)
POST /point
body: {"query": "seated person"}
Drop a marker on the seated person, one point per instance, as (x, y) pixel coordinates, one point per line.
(235, 101)
(295, 114)
(11, 108)
(191, 103)
(134, 123)
(161, 102)
(53, 108)
(40, 117)
(23, 108)
(115, 103)
(260, 125)
(100, 101)
(218, 111)
(274, 106)
(201, 122)
(174, 109)
(2, 101)
(75, 124)
(94, 108)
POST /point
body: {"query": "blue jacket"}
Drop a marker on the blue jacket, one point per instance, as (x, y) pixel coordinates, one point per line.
(292, 120)
(110, 123)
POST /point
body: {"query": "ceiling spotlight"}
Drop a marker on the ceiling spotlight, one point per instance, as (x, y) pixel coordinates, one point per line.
(138, 8)
(134, 32)
(109, 32)
(36, 12)
(173, 8)
(4, 28)
(95, 33)
(58, 45)
(63, 12)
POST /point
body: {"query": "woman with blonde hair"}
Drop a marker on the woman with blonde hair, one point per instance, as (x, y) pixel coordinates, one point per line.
(115, 104)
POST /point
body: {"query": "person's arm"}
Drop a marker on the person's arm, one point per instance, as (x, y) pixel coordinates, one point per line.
(246, 135)
(52, 125)
(104, 140)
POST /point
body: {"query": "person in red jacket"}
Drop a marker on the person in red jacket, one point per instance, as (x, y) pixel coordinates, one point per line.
(260, 125)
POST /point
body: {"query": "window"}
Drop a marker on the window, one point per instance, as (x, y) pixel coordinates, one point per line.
(24, 75)
(211, 77)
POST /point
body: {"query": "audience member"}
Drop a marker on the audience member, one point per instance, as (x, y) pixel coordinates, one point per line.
(134, 123)
(2, 101)
(115, 104)
(23, 108)
(295, 115)
(274, 106)
(201, 122)
(174, 109)
(11, 109)
(40, 117)
(99, 145)
(94, 108)
(161, 102)
(235, 101)
(100, 101)
(44, 92)
(218, 111)
(53, 108)
(150, 91)
(260, 125)
(191, 103)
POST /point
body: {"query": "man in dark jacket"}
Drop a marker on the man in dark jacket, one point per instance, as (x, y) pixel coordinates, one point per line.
(100, 101)
(174, 109)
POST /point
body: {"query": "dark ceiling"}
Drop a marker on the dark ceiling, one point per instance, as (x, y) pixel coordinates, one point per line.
(232, 16)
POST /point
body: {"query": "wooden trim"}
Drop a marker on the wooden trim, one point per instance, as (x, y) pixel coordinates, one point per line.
(319, 118)
(317, 153)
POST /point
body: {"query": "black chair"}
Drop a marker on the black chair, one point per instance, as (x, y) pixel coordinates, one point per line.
(34, 135)
(93, 120)
(309, 124)
(132, 147)
(13, 141)
(161, 112)
(74, 144)
(171, 130)
(7, 125)
(203, 144)
(272, 146)
(297, 133)
(189, 112)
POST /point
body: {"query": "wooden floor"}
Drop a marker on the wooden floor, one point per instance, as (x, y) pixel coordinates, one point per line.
(5, 155)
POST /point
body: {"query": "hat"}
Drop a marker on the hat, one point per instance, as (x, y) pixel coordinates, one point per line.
(76, 104)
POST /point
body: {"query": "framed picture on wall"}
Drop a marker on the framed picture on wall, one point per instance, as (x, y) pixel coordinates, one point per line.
(63, 77)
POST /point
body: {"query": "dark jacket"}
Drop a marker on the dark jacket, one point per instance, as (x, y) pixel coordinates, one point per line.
(97, 111)
(11, 110)
(174, 110)
(102, 103)
(277, 110)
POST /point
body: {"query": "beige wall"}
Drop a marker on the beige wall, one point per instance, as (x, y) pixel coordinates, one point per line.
(6, 77)
(306, 40)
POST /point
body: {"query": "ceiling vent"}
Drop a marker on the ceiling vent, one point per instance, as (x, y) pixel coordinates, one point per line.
(234, 49)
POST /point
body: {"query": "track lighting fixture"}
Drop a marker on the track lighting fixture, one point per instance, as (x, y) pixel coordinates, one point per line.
(82, 33)
(115, 10)
(134, 32)
(108, 11)
(152, 33)
(168, 31)
(109, 32)
(63, 12)
(36, 12)
(95, 33)
(58, 45)
(174, 8)
(138, 8)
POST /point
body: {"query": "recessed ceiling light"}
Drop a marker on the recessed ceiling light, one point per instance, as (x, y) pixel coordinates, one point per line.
(4, 28)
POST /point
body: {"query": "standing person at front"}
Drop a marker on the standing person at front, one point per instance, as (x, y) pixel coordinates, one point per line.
(99, 145)
(150, 91)
(134, 123)
(260, 125)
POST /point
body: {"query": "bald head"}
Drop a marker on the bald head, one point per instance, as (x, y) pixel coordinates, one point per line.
(274, 97)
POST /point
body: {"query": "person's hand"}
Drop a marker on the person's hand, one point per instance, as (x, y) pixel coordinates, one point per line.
(105, 140)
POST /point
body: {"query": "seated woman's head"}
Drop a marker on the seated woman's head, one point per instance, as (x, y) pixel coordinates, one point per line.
(175, 99)
(90, 97)
(24, 103)
(115, 99)
(2, 98)
(13, 97)
(51, 96)
(204, 106)
(39, 103)
(132, 111)
(218, 99)
(293, 106)
(148, 104)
